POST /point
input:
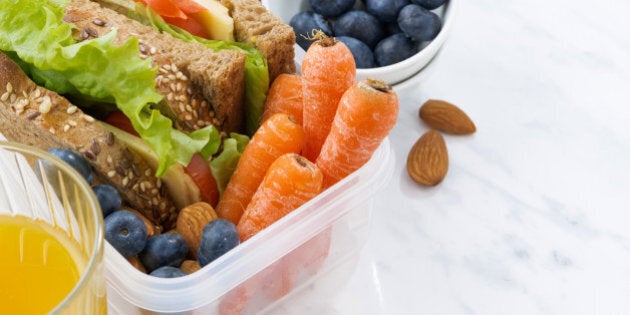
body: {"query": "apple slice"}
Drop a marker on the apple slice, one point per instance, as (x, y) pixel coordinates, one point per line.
(216, 20)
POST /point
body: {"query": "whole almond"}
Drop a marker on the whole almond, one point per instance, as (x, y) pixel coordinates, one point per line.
(190, 223)
(135, 261)
(446, 117)
(189, 266)
(427, 162)
(152, 229)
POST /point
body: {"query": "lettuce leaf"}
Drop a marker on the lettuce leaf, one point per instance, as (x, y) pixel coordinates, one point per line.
(256, 69)
(224, 165)
(35, 31)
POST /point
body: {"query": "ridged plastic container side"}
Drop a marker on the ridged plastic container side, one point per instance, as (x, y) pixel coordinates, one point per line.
(274, 265)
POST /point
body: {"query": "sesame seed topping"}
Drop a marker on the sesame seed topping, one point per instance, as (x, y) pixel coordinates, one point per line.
(158, 183)
(188, 117)
(46, 105)
(33, 115)
(111, 174)
(66, 128)
(182, 107)
(12, 98)
(171, 77)
(174, 67)
(72, 123)
(38, 93)
(96, 147)
(4, 97)
(24, 94)
(143, 187)
(120, 170)
(71, 110)
(110, 139)
(109, 159)
(125, 181)
(167, 67)
(152, 50)
(154, 191)
(9, 87)
(178, 87)
(52, 130)
(147, 172)
(169, 96)
(88, 118)
(98, 22)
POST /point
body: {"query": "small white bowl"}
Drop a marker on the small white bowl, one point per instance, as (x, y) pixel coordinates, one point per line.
(392, 74)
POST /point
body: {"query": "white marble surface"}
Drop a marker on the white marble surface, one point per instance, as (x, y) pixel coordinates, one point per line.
(534, 214)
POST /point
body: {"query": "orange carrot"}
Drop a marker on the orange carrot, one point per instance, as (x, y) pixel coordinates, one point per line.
(328, 70)
(276, 136)
(366, 114)
(285, 96)
(290, 181)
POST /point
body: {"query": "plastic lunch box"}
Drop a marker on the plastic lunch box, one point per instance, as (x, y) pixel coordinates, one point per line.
(280, 263)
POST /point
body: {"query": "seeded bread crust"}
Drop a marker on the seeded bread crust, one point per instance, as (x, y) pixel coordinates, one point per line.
(255, 25)
(36, 116)
(200, 86)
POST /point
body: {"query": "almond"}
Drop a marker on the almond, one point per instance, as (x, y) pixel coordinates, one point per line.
(152, 229)
(189, 266)
(190, 223)
(446, 117)
(427, 162)
(135, 261)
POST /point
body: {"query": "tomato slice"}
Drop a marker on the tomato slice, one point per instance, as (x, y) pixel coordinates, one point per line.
(200, 171)
(120, 121)
(165, 8)
(189, 24)
(188, 6)
(176, 12)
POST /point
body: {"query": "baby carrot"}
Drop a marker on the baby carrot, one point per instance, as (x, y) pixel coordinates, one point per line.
(290, 181)
(285, 96)
(366, 114)
(276, 136)
(328, 70)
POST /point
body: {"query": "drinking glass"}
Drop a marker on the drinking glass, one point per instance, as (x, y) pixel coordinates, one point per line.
(39, 191)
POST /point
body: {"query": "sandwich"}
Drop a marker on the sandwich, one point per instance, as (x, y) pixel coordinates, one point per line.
(136, 96)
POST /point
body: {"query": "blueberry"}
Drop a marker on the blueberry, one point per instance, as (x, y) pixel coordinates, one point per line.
(168, 249)
(360, 25)
(126, 232)
(363, 56)
(385, 10)
(108, 197)
(419, 23)
(75, 160)
(429, 4)
(331, 8)
(303, 25)
(393, 49)
(218, 237)
(168, 272)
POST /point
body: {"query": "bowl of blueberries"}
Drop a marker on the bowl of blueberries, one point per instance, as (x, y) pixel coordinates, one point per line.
(391, 40)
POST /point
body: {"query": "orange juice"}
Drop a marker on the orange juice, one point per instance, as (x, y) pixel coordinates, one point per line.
(39, 265)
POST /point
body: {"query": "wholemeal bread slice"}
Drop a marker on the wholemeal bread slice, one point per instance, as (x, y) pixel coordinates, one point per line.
(201, 86)
(256, 25)
(35, 116)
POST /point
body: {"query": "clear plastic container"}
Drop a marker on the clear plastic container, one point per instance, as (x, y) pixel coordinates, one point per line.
(280, 263)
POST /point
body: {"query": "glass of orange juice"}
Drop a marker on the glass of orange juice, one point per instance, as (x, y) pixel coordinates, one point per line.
(51, 236)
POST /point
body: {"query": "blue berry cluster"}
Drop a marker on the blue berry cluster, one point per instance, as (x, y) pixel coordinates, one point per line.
(162, 254)
(377, 32)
